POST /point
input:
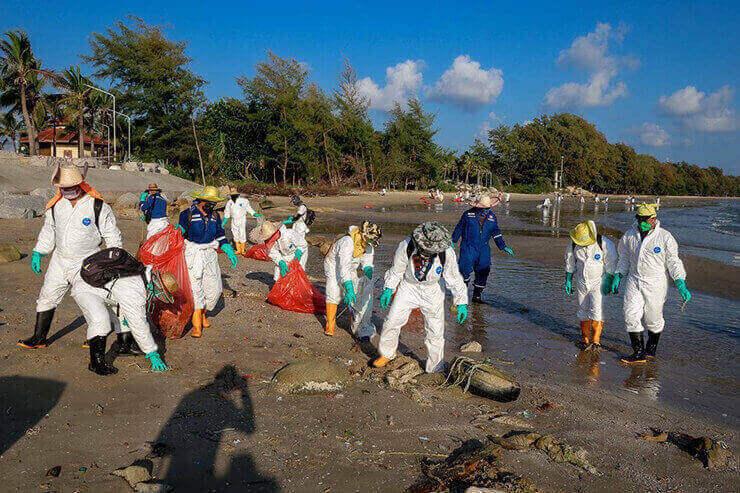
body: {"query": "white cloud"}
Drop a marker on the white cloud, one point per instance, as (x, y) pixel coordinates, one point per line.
(467, 85)
(700, 111)
(488, 124)
(653, 135)
(590, 53)
(402, 83)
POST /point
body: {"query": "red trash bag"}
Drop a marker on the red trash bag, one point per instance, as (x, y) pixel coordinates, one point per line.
(261, 250)
(295, 293)
(165, 252)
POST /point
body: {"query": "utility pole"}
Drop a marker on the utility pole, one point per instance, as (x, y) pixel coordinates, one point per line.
(562, 159)
(114, 113)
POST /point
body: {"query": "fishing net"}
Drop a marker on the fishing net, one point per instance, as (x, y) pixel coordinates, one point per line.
(165, 252)
(295, 293)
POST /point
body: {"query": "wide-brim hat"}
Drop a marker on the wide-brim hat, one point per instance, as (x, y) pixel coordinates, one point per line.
(153, 187)
(584, 234)
(647, 210)
(209, 194)
(263, 232)
(431, 237)
(68, 176)
(486, 201)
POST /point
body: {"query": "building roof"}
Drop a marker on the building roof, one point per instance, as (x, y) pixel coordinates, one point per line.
(63, 137)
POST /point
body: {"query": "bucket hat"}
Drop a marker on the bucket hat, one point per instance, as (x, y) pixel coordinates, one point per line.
(431, 237)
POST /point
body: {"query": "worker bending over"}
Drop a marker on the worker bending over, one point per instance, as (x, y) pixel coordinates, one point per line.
(290, 245)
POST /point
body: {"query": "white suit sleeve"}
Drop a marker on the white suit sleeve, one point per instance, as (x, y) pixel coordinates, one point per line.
(299, 235)
(623, 264)
(394, 275)
(227, 210)
(274, 253)
(611, 257)
(454, 280)
(570, 259)
(672, 261)
(345, 249)
(248, 208)
(47, 236)
(368, 258)
(109, 229)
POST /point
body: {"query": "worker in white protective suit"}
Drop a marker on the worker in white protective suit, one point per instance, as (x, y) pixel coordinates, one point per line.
(300, 212)
(123, 301)
(76, 222)
(204, 236)
(424, 264)
(237, 209)
(591, 259)
(349, 268)
(646, 251)
(290, 245)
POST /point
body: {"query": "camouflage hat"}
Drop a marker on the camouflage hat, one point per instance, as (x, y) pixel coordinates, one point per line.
(431, 237)
(371, 232)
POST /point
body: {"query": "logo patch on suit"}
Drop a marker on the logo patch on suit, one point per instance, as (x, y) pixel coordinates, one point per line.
(86, 221)
(597, 256)
(439, 270)
(656, 249)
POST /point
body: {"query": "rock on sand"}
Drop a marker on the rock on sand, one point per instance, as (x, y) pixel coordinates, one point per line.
(16, 205)
(9, 253)
(310, 376)
(127, 200)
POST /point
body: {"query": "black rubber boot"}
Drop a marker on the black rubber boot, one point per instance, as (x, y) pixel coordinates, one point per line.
(638, 349)
(97, 357)
(43, 324)
(127, 345)
(652, 344)
(477, 294)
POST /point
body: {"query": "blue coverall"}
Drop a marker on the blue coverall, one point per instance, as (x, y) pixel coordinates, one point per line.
(476, 227)
(154, 204)
(202, 229)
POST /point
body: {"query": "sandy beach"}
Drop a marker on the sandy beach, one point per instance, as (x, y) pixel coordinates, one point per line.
(226, 429)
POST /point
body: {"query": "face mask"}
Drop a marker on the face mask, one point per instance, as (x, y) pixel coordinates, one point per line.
(645, 226)
(208, 207)
(71, 193)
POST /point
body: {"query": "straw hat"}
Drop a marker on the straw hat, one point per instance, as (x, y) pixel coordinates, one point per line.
(486, 201)
(263, 232)
(153, 187)
(647, 210)
(431, 237)
(584, 234)
(209, 194)
(65, 177)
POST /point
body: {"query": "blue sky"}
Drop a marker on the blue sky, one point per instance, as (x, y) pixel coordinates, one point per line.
(660, 76)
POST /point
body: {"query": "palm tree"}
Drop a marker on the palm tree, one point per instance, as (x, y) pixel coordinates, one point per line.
(10, 127)
(76, 92)
(17, 67)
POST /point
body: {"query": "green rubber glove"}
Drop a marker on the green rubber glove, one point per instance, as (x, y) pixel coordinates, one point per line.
(615, 283)
(156, 361)
(257, 214)
(368, 270)
(288, 221)
(143, 196)
(606, 284)
(283, 268)
(385, 298)
(682, 289)
(182, 230)
(229, 251)
(509, 251)
(349, 293)
(462, 313)
(224, 222)
(568, 283)
(298, 254)
(36, 262)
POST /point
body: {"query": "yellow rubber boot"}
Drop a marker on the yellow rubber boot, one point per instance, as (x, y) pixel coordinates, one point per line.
(596, 327)
(586, 331)
(241, 248)
(380, 362)
(206, 323)
(331, 319)
(197, 321)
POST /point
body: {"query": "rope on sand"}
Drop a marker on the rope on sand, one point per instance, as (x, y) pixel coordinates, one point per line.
(463, 375)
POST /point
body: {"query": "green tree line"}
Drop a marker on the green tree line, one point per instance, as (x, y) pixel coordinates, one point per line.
(286, 130)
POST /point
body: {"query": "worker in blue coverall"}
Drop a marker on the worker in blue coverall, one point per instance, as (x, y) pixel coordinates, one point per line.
(476, 228)
(154, 207)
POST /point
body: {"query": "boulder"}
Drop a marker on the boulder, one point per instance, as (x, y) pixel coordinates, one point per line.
(10, 212)
(138, 472)
(481, 378)
(471, 347)
(131, 166)
(33, 203)
(9, 253)
(45, 193)
(164, 171)
(149, 167)
(310, 376)
(115, 167)
(127, 200)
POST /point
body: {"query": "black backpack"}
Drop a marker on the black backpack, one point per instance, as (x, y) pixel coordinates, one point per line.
(108, 265)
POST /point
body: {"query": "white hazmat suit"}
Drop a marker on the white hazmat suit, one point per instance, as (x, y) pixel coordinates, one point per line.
(205, 274)
(237, 211)
(428, 296)
(588, 264)
(340, 266)
(71, 234)
(291, 239)
(644, 263)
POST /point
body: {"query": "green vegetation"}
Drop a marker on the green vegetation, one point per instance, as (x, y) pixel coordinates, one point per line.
(285, 130)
